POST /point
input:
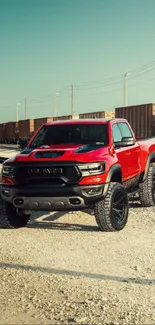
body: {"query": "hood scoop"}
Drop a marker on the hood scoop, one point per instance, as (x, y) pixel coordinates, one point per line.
(48, 154)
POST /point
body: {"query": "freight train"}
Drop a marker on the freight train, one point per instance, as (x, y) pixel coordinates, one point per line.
(13, 132)
(140, 117)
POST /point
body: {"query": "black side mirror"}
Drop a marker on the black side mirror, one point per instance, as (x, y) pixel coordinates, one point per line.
(125, 142)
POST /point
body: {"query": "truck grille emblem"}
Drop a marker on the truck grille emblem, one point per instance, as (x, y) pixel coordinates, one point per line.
(46, 171)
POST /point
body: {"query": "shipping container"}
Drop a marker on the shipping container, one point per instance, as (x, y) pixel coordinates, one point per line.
(101, 114)
(26, 128)
(11, 130)
(38, 122)
(2, 130)
(61, 118)
(92, 115)
(140, 117)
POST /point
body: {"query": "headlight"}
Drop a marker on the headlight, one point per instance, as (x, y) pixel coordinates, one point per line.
(92, 168)
(7, 171)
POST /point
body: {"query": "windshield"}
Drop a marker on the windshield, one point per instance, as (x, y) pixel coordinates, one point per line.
(71, 134)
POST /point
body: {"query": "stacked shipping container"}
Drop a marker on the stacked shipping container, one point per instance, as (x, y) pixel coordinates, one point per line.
(2, 130)
(26, 128)
(61, 118)
(40, 121)
(65, 117)
(140, 117)
(102, 114)
(11, 130)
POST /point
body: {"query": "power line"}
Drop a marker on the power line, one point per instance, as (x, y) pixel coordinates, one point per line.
(118, 76)
(120, 89)
(114, 80)
(143, 66)
(87, 85)
(142, 73)
(49, 95)
(105, 82)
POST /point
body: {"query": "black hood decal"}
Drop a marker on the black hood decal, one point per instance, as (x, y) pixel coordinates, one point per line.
(88, 148)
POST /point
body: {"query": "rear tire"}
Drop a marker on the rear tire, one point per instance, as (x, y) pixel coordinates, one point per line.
(147, 189)
(111, 213)
(9, 218)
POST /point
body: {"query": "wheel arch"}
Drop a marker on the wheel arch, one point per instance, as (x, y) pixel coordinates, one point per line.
(114, 175)
(150, 160)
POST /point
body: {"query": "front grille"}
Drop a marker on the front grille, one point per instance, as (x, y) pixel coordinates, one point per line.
(46, 181)
(54, 175)
(72, 173)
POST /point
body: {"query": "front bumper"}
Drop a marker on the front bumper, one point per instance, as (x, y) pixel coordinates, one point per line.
(52, 199)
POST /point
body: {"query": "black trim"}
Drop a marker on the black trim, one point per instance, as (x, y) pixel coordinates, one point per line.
(131, 182)
(115, 168)
(52, 195)
(150, 157)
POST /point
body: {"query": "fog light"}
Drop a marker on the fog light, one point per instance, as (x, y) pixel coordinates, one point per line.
(6, 192)
(92, 191)
(18, 201)
(74, 201)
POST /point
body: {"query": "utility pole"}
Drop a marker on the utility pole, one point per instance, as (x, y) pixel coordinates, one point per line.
(17, 112)
(125, 88)
(72, 105)
(55, 104)
(25, 108)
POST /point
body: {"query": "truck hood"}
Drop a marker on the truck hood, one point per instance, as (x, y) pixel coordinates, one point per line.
(55, 153)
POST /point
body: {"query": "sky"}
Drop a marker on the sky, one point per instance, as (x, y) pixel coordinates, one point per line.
(48, 45)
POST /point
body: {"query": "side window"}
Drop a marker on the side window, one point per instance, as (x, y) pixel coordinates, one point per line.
(116, 133)
(125, 130)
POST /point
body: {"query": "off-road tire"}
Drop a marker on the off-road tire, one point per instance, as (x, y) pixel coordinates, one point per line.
(106, 215)
(147, 188)
(9, 218)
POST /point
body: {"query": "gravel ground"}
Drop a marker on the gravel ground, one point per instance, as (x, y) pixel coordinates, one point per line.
(61, 269)
(7, 153)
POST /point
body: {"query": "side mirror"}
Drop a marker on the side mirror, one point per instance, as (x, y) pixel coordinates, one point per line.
(22, 143)
(126, 142)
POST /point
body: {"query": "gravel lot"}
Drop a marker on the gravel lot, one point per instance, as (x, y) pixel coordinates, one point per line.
(61, 270)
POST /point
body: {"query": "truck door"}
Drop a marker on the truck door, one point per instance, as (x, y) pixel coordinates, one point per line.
(123, 154)
(134, 165)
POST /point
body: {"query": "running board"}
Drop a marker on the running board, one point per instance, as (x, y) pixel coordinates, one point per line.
(137, 190)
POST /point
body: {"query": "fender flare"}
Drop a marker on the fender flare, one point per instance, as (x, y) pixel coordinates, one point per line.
(113, 169)
(150, 157)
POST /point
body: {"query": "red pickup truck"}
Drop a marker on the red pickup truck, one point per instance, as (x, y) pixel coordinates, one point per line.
(79, 164)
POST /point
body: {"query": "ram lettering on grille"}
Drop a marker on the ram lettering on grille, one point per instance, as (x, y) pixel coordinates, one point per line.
(45, 171)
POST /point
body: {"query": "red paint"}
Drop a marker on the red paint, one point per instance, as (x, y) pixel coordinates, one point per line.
(132, 159)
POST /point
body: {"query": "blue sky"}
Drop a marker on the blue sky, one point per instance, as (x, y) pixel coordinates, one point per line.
(47, 45)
